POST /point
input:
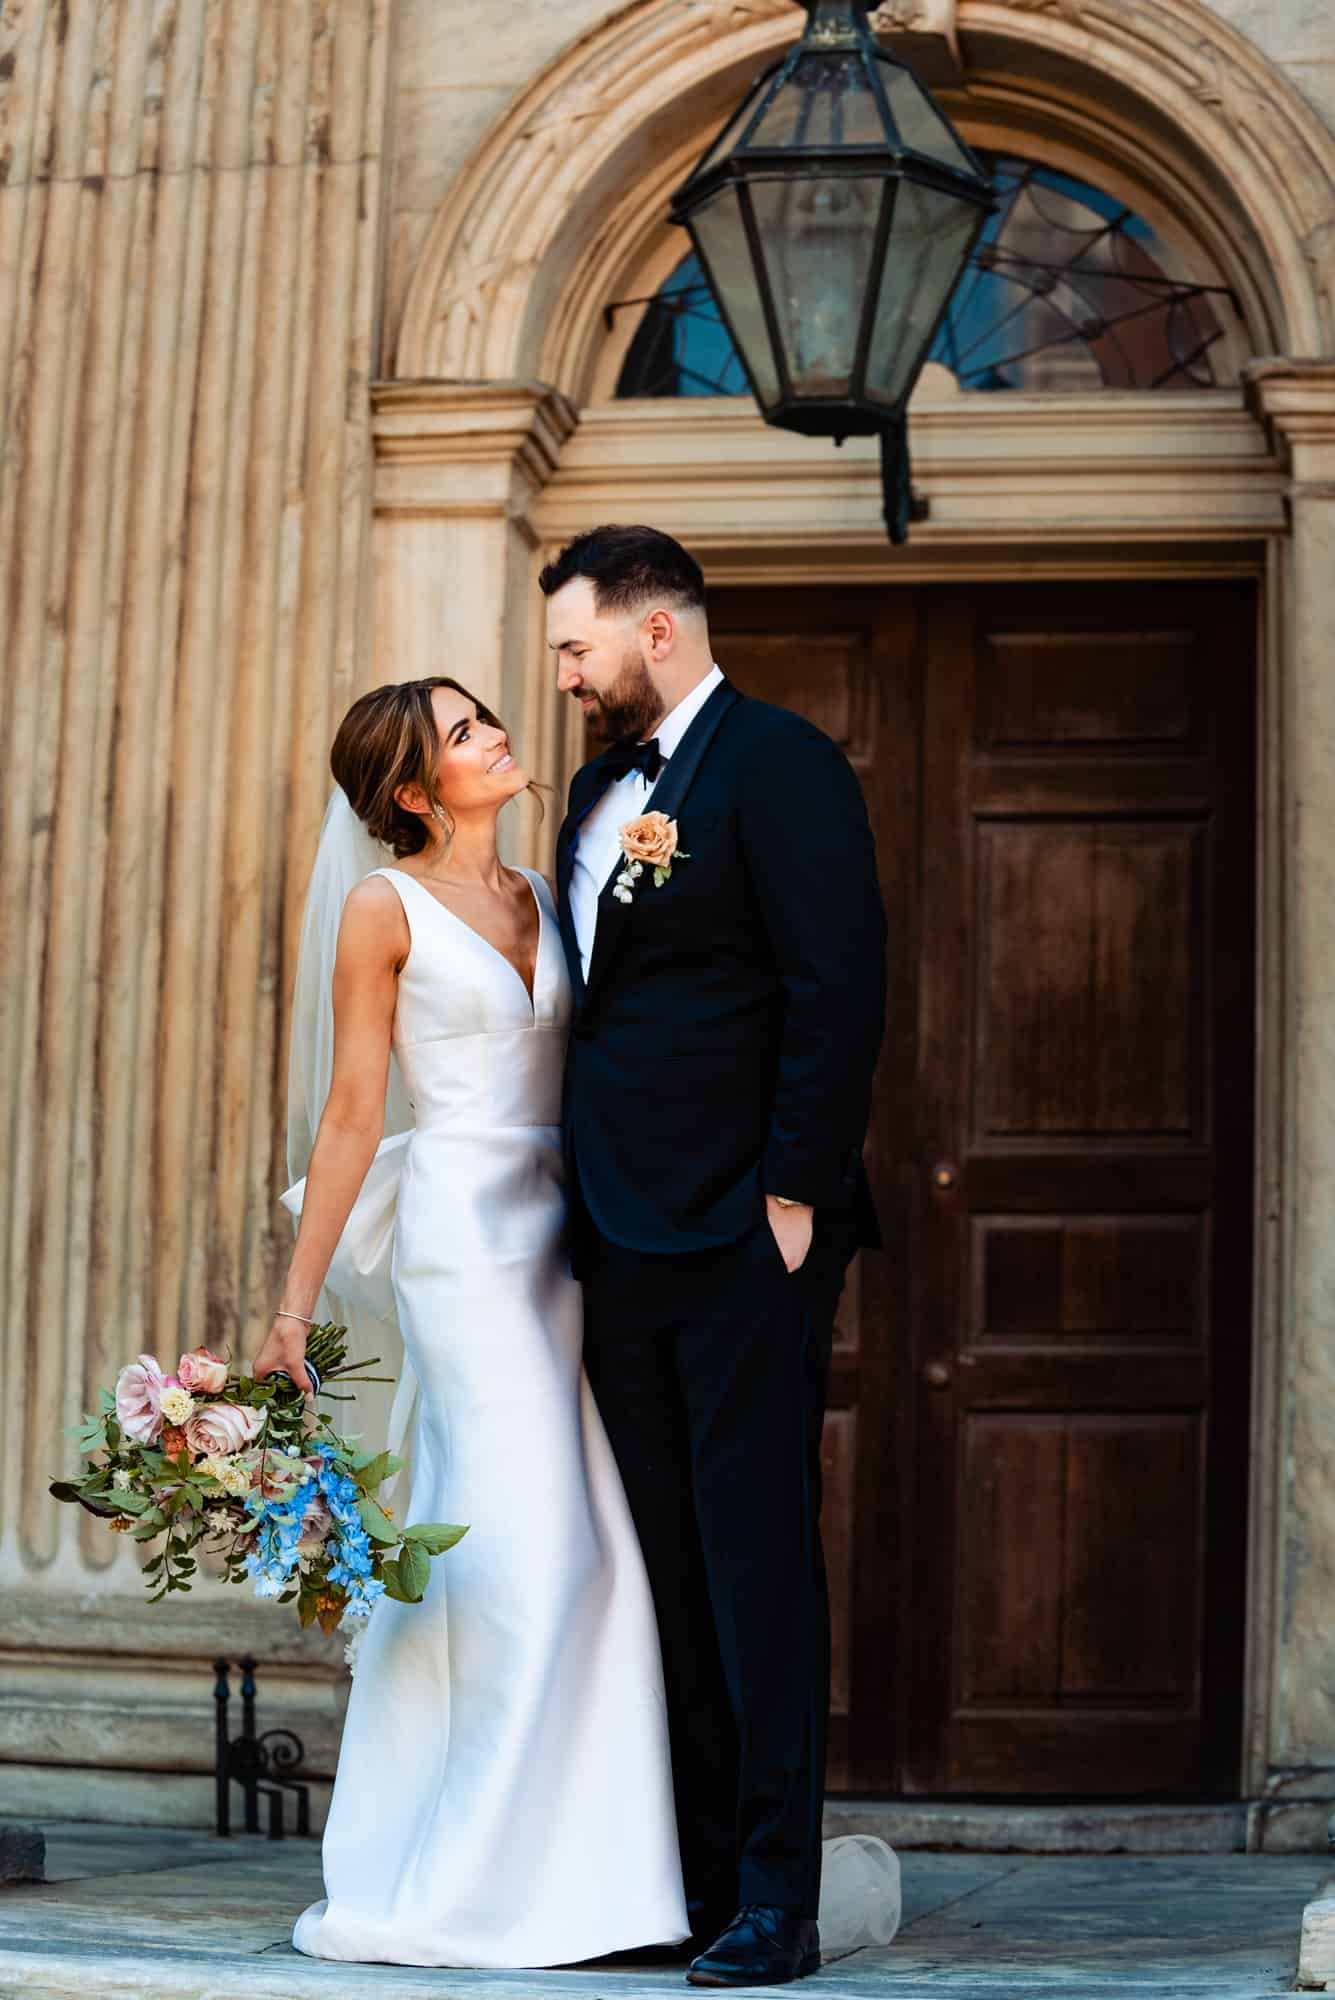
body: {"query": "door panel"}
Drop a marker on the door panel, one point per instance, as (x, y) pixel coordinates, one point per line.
(851, 662)
(1034, 1505)
(1082, 1282)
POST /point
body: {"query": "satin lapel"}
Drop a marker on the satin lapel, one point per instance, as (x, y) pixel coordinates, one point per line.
(667, 797)
(565, 867)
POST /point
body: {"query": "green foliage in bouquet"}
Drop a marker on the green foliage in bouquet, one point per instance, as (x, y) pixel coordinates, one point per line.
(251, 1472)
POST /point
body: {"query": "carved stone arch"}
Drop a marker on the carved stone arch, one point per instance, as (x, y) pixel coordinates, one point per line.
(545, 222)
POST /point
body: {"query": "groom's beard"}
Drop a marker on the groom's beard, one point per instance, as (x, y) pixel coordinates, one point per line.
(632, 706)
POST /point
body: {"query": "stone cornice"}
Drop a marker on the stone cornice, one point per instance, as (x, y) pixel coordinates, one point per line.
(1297, 397)
(431, 422)
(1296, 401)
(1045, 470)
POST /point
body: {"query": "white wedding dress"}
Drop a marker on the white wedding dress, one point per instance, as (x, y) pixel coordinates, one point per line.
(504, 1795)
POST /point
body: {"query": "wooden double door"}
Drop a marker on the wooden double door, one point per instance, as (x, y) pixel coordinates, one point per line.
(1036, 1447)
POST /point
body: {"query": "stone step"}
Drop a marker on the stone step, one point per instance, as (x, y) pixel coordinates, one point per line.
(1059, 1829)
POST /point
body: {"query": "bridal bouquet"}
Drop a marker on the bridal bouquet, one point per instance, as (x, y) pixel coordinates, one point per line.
(245, 1469)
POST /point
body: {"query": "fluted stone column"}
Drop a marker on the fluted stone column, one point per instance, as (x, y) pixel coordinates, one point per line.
(189, 247)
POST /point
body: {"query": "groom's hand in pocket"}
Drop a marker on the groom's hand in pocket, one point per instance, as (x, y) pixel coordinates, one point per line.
(791, 1223)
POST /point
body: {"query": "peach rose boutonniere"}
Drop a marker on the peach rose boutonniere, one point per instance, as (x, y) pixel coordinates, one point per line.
(647, 842)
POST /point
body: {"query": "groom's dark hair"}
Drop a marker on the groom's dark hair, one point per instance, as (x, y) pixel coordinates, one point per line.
(627, 567)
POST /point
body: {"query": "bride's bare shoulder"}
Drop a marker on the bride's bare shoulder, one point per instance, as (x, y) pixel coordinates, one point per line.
(373, 918)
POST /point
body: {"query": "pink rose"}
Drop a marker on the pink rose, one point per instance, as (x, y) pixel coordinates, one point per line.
(202, 1373)
(221, 1428)
(139, 1389)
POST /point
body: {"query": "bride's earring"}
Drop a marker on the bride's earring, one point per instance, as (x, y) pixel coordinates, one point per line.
(439, 814)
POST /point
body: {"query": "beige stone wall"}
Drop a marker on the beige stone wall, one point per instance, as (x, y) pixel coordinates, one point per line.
(189, 235)
(1299, 38)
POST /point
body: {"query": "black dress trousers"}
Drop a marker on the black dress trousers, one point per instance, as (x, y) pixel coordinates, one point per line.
(709, 1368)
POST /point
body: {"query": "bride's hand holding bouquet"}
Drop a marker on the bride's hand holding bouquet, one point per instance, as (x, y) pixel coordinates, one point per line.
(245, 1466)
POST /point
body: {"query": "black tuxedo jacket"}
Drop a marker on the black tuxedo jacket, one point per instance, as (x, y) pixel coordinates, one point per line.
(724, 1045)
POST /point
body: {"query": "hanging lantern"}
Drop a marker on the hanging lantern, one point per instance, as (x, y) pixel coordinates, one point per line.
(833, 216)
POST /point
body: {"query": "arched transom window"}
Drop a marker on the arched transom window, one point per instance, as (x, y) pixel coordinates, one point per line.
(1068, 290)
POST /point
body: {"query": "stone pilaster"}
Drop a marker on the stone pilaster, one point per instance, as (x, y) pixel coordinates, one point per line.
(1296, 400)
(458, 467)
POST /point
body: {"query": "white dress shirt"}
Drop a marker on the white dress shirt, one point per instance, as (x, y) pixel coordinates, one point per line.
(597, 844)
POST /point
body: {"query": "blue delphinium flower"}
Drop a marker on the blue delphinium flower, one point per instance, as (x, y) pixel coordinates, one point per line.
(273, 1559)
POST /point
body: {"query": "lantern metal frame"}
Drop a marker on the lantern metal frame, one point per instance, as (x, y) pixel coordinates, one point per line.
(834, 28)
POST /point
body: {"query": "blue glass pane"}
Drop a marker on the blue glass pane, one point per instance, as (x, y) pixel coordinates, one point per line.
(682, 347)
(1067, 289)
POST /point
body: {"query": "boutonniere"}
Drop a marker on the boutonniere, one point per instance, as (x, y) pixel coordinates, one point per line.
(647, 842)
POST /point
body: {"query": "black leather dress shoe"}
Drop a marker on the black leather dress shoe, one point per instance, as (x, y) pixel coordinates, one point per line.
(760, 1947)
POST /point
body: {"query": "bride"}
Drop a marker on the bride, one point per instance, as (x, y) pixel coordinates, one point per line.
(504, 1793)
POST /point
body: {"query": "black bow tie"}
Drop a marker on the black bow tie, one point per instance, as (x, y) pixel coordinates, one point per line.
(627, 756)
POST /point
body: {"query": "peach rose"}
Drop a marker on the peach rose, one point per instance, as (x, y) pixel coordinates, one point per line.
(202, 1373)
(174, 1440)
(222, 1428)
(651, 839)
(139, 1399)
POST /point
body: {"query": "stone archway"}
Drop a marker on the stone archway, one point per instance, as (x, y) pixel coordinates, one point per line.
(526, 249)
(484, 458)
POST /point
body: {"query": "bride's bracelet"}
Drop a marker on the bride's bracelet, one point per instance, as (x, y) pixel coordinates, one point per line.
(283, 1313)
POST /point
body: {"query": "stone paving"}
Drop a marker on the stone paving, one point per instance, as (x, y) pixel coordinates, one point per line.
(144, 1914)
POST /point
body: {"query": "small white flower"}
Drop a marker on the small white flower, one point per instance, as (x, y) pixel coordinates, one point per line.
(219, 1521)
(120, 1479)
(623, 895)
(231, 1475)
(177, 1405)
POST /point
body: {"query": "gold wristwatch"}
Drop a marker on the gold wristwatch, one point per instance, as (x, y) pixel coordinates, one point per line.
(785, 1201)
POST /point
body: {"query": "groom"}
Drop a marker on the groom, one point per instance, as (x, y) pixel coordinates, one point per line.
(729, 993)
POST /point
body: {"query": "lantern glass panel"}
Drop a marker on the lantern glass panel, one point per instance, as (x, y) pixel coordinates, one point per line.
(731, 133)
(818, 234)
(920, 124)
(827, 102)
(720, 234)
(929, 241)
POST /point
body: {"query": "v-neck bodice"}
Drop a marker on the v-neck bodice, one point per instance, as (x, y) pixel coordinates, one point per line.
(476, 1052)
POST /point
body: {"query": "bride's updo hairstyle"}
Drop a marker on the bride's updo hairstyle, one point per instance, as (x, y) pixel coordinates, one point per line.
(389, 739)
